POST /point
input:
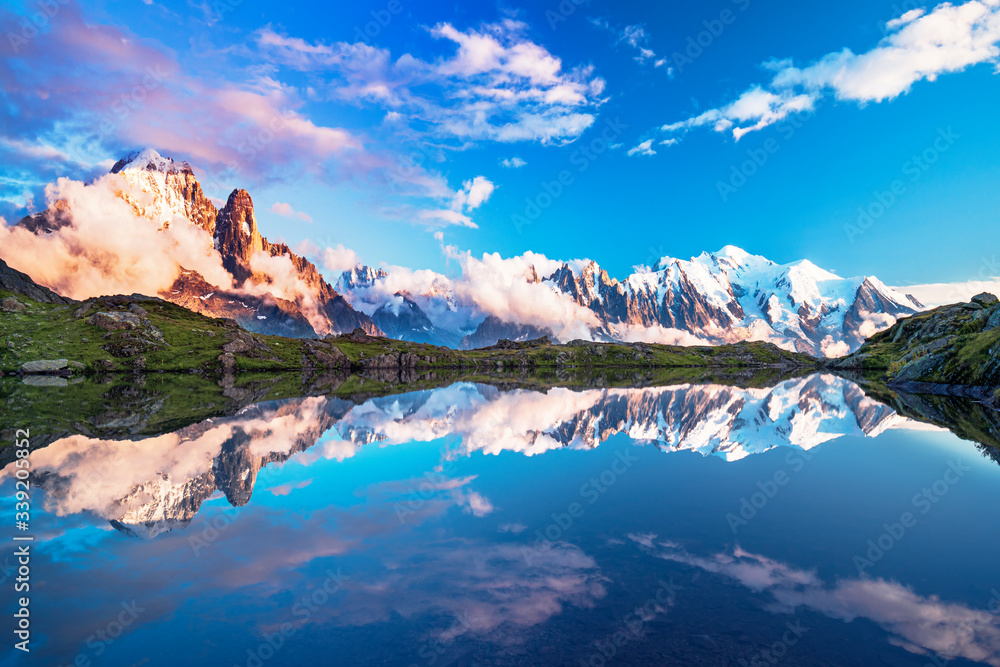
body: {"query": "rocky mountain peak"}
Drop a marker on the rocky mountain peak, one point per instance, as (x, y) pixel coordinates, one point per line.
(162, 190)
(360, 277)
(236, 235)
(148, 159)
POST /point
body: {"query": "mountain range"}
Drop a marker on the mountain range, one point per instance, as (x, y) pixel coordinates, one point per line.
(726, 296)
(167, 193)
(721, 297)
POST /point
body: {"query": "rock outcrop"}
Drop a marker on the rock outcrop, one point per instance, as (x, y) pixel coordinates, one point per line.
(950, 349)
(21, 283)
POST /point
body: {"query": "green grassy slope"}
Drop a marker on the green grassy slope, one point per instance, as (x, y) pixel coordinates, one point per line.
(116, 334)
(956, 345)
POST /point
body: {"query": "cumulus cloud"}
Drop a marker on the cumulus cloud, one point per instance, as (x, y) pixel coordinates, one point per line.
(645, 148)
(513, 163)
(287, 211)
(631, 333)
(277, 276)
(872, 324)
(500, 287)
(108, 248)
(339, 259)
(495, 85)
(831, 348)
(920, 46)
(473, 194)
(477, 504)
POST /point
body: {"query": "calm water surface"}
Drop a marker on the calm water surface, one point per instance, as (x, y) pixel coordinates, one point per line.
(801, 524)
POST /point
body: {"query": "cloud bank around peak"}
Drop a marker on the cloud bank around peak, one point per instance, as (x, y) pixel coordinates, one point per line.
(920, 46)
(108, 249)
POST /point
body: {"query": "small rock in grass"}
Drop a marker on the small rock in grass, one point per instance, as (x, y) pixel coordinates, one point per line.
(12, 305)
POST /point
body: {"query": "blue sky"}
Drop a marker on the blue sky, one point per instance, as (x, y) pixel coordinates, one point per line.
(676, 128)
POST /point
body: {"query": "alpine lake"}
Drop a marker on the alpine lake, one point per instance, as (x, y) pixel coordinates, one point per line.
(453, 521)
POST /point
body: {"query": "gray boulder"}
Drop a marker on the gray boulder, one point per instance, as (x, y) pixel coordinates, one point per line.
(11, 305)
(115, 320)
(985, 299)
(44, 366)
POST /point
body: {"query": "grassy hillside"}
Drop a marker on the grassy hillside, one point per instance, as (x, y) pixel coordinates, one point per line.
(953, 345)
(136, 334)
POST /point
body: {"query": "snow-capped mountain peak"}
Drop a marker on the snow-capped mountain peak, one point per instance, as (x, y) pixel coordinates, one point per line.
(148, 159)
(719, 297)
(359, 277)
(738, 256)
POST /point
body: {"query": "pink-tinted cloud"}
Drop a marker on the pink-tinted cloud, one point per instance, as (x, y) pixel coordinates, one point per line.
(89, 90)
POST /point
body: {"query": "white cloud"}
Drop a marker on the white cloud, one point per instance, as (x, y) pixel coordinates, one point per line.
(753, 110)
(497, 85)
(636, 37)
(446, 216)
(513, 163)
(339, 259)
(282, 279)
(487, 285)
(477, 504)
(287, 211)
(514, 528)
(107, 248)
(500, 287)
(908, 17)
(919, 46)
(473, 194)
(631, 333)
(645, 148)
(940, 294)
(834, 349)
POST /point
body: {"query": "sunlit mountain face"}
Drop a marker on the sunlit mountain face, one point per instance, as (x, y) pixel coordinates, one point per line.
(151, 210)
(490, 524)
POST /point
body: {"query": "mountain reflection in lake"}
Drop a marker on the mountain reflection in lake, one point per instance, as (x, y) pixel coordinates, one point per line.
(467, 525)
